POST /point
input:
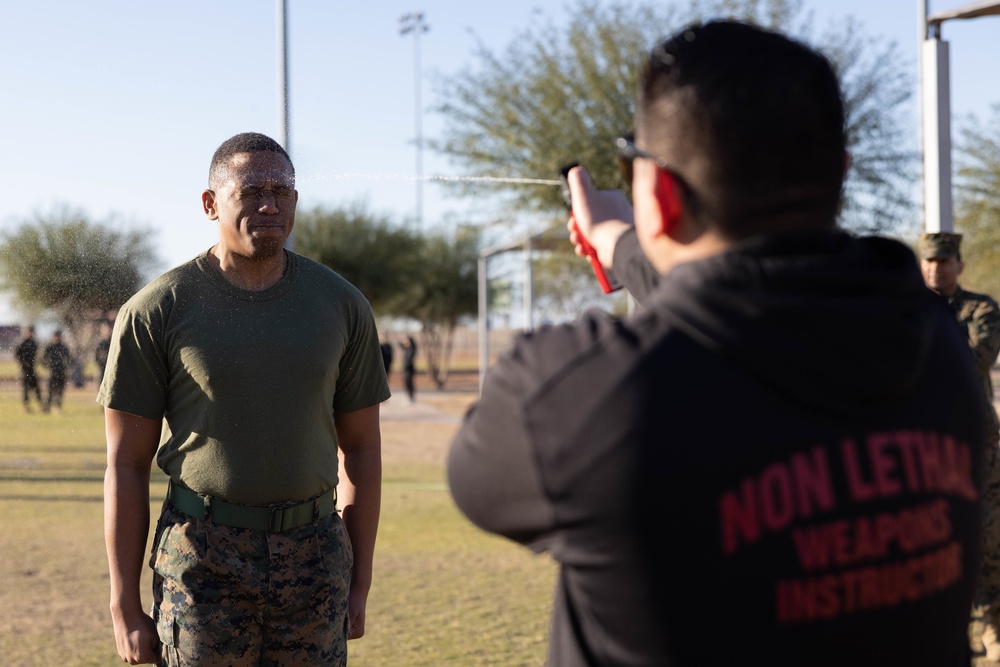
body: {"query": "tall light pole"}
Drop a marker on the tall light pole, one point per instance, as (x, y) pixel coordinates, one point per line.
(935, 100)
(414, 24)
(284, 136)
(281, 25)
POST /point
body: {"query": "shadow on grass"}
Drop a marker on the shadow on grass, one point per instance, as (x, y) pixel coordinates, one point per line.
(50, 479)
(54, 499)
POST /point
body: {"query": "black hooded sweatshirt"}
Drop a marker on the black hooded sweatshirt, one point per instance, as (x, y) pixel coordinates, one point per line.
(775, 462)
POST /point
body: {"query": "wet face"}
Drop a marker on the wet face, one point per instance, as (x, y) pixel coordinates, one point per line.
(254, 205)
(941, 274)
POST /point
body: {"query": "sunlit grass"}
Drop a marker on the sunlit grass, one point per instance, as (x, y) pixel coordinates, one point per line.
(444, 593)
(11, 371)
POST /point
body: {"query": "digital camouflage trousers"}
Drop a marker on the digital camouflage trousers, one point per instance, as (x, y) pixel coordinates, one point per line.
(987, 602)
(232, 596)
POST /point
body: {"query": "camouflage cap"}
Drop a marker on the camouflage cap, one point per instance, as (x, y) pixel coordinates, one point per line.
(940, 245)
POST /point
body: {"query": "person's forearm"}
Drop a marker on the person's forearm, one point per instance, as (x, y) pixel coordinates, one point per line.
(360, 497)
(132, 444)
(984, 341)
(632, 267)
(984, 357)
(126, 526)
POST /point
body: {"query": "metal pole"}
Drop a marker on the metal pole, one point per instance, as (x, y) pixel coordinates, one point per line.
(484, 322)
(420, 130)
(922, 8)
(936, 102)
(414, 23)
(284, 135)
(529, 286)
(280, 7)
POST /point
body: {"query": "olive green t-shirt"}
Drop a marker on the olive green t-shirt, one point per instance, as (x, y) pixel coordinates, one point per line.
(248, 381)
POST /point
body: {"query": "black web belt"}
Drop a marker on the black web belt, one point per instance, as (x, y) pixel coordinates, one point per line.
(272, 518)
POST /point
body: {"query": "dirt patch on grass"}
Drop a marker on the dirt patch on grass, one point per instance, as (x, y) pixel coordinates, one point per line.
(421, 432)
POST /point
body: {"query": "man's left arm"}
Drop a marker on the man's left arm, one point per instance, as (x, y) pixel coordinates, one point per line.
(359, 496)
(984, 334)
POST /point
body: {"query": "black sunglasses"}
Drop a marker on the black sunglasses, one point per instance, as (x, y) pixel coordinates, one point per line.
(627, 152)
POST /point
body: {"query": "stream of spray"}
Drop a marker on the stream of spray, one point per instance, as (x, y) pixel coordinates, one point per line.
(409, 177)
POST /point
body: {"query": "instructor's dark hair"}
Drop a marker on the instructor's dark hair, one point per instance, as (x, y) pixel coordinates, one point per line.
(247, 142)
(766, 112)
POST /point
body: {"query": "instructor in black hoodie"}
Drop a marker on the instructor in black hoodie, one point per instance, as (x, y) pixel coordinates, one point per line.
(776, 460)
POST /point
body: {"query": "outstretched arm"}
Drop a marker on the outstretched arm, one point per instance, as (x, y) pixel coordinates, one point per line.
(359, 495)
(605, 219)
(132, 443)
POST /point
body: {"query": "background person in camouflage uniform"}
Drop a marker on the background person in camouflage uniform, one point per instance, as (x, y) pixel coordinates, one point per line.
(26, 352)
(941, 264)
(56, 357)
(267, 370)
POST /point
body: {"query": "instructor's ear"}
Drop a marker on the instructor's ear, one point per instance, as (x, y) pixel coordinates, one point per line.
(208, 204)
(668, 199)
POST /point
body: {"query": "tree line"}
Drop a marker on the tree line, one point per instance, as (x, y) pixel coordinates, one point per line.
(429, 278)
(64, 265)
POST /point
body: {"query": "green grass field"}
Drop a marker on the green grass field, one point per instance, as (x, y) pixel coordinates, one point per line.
(444, 592)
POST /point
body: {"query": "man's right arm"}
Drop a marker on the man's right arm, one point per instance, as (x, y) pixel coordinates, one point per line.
(132, 443)
(493, 471)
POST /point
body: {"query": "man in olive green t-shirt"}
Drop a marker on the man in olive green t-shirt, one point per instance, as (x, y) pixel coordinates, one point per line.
(266, 367)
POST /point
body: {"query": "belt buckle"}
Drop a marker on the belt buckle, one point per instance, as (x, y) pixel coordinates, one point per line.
(277, 514)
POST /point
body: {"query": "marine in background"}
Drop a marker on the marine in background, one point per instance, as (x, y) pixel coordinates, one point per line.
(941, 263)
(26, 352)
(56, 358)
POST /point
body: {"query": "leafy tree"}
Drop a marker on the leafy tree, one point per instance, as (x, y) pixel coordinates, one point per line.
(445, 291)
(978, 203)
(884, 161)
(430, 279)
(61, 263)
(552, 97)
(378, 257)
(561, 94)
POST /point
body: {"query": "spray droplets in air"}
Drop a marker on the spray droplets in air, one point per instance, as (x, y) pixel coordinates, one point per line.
(448, 179)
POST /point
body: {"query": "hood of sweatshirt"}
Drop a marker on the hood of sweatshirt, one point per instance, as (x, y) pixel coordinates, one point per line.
(828, 319)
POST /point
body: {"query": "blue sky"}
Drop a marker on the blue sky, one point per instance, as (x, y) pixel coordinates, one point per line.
(116, 106)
